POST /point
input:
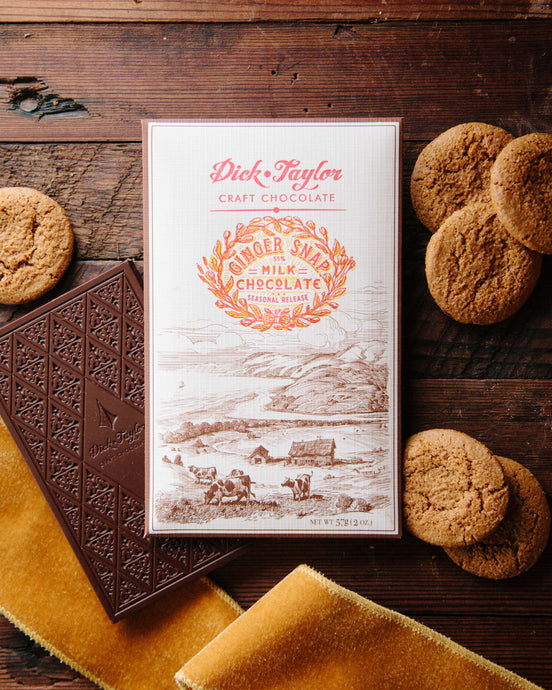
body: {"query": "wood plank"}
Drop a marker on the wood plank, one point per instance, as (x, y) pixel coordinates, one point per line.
(435, 346)
(25, 664)
(486, 637)
(99, 186)
(273, 10)
(74, 82)
(407, 575)
(512, 417)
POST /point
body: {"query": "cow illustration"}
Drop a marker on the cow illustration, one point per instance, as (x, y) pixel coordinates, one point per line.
(229, 487)
(300, 486)
(236, 473)
(203, 475)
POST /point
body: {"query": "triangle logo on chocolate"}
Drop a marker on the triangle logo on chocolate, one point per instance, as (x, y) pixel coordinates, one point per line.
(114, 438)
(107, 418)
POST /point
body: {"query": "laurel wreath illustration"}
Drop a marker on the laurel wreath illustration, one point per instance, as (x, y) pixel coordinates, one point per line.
(250, 315)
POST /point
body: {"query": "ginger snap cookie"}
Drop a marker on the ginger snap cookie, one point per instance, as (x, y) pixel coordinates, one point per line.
(36, 244)
(476, 271)
(521, 537)
(521, 190)
(454, 170)
(454, 488)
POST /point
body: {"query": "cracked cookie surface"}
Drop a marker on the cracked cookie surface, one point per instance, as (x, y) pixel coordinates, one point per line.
(454, 170)
(36, 244)
(521, 190)
(454, 488)
(476, 271)
(521, 537)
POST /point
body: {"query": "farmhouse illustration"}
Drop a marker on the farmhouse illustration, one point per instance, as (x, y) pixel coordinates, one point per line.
(260, 456)
(318, 452)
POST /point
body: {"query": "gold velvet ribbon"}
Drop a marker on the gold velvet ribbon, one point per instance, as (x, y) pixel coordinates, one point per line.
(307, 632)
(44, 592)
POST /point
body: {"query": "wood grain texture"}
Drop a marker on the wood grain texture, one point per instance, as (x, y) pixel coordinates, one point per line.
(99, 185)
(25, 664)
(242, 10)
(436, 346)
(71, 99)
(512, 417)
(406, 575)
(432, 74)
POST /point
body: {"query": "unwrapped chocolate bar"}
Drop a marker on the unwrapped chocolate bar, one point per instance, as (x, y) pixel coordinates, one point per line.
(72, 396)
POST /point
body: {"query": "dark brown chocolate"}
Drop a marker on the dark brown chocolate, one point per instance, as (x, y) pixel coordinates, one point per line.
(72, 395)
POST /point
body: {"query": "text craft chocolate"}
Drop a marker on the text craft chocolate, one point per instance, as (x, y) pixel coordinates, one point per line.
(272, 264)
(72, 395)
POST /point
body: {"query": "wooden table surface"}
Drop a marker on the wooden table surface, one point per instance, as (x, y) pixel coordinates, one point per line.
(76, 78)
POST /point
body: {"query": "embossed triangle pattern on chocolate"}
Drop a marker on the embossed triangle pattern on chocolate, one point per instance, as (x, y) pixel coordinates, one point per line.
(72, 393)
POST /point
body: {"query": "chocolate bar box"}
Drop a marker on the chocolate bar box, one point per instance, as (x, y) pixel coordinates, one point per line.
(272, 299)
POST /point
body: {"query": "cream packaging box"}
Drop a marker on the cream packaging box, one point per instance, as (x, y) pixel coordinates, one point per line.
(272, 273)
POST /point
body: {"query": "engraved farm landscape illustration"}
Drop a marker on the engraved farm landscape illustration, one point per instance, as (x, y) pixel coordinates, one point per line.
(277, 430)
